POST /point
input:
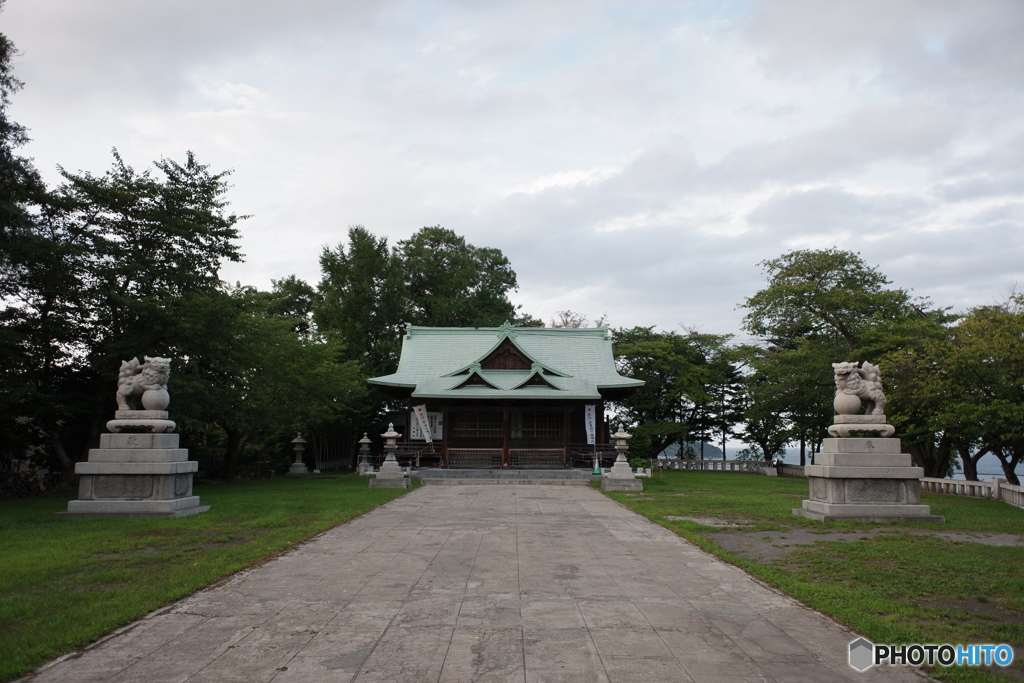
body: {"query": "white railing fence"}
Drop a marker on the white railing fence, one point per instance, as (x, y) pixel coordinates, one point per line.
(711, 465)
(997, 489)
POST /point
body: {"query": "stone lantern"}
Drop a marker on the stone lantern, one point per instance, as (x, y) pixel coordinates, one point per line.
(621, 477)
(364, 466)
(299, 445)
(390, 474)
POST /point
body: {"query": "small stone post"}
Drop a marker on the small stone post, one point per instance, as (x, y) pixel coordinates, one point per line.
(299, 467)
(621, 477)
(390, 474)
(364, 466)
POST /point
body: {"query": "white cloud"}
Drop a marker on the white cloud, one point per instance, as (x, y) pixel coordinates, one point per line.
(638, 159)
(233, 95)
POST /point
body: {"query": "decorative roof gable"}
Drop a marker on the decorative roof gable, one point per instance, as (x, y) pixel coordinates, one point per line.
(537, 379)
(475, 379)
(506, 354)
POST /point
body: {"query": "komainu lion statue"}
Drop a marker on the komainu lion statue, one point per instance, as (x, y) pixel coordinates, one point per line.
(864, 382)
(136, 378)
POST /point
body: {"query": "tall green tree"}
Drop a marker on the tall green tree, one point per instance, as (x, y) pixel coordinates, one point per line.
(22, 193)
(827, 294)
(765, 424)
(825, 306)
(690, 386)
(151, 239)
(293, 299)
(259, 379)
(451, 283)
(914, 401)
(973, 383)
(21, 188)
(363, 303)
(368, 291)
(716, 391)
(114, 258)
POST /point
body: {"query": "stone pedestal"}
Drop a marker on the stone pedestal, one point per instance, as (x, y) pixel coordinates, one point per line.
(864, 479)
(621, 477)
(390, 475)
(134, 420)
(137, 475)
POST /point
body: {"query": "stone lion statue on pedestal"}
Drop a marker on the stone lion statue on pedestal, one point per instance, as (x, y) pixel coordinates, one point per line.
(136, 380)
(855, 385)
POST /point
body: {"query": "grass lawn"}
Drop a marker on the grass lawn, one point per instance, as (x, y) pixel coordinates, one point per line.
(65, 581)
(894, 583)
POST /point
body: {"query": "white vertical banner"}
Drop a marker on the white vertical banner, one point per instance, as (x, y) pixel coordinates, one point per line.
(590, 418)
(421, 418)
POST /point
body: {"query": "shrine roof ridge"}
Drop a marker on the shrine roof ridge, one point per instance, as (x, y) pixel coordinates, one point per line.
(573, 363)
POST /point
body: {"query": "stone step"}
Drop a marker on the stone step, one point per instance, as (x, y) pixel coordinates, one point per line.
(548, 475)
(506, 481)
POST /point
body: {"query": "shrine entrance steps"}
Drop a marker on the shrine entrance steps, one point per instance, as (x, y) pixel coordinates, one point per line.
(476, 477)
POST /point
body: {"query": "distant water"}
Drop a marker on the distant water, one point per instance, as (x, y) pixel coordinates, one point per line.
(988, 467)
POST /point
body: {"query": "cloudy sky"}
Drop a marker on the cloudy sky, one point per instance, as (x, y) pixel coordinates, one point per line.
(631, 158)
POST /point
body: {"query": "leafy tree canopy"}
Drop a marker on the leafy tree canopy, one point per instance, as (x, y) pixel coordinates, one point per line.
(689, 390)
(968, 385)
(450, 283)
(826, 293)
(362, 302)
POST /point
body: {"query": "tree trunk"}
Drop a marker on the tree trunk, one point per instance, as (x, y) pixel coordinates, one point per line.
(1009, 459)
(970, 461)
(67, 464)
(232, 453)
(933, 458)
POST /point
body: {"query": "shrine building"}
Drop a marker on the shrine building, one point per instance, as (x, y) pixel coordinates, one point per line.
(506, 397)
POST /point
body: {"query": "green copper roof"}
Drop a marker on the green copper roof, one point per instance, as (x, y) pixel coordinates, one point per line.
(565, 363)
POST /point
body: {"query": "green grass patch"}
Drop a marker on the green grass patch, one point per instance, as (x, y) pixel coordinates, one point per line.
(65, 581)
(887, 581)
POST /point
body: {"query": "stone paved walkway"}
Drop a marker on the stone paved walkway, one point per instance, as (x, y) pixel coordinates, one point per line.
(483, 583)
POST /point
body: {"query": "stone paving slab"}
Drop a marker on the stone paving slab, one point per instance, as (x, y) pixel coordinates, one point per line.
(535, 584)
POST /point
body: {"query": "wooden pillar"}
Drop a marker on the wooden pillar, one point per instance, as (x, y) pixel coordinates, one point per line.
(566, 434)
(444, 436)
(506, 428)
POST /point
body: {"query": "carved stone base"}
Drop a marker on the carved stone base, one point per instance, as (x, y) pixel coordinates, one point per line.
(136, 475)
(621, 477)
(864, 480)
(389, 480)
(609, 484)
(870, 426)
(181, 507)
(390, 475)
(153, 421)
(827, 512)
